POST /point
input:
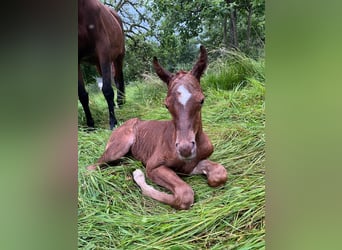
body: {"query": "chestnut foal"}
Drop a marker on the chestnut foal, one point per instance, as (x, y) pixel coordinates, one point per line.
(169, 147)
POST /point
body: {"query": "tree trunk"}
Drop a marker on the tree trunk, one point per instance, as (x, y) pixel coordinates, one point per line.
(225, 39)
(233, 39)
(249, 20)
(233, 29)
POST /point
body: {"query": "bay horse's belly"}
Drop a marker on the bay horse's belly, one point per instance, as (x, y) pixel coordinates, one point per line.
(87, 54)
(90, 59)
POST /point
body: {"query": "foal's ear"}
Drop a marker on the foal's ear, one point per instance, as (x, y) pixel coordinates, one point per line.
(163, 74)
(201, 64)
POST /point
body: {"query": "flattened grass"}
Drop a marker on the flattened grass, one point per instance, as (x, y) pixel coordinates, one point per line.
(112, 212)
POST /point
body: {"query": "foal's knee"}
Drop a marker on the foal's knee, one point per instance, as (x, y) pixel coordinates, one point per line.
(184, 197)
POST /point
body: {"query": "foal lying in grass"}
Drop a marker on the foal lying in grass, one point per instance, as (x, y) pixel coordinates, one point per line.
(169, 147)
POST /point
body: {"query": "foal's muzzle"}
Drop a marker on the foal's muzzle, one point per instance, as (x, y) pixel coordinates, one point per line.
(186, 150)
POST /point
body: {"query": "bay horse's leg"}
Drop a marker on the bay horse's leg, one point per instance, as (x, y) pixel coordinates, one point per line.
(118, 144)
(84, 98)
(119, 80)
(215, 172)
(98, 67)
(182, 196)
(107, 91)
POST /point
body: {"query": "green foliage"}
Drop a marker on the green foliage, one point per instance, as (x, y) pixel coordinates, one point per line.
(233, 69)
(112, 212)
(138, 58)
(204, 21)
(89, 73)
(173, 30)
(173, 50)
(139, 55)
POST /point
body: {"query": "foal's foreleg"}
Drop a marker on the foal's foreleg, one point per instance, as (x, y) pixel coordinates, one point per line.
(182, 196)
(148, 190)
(215, 172)
(118, 145)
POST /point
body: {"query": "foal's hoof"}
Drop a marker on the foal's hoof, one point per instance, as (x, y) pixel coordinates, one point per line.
(138, 175)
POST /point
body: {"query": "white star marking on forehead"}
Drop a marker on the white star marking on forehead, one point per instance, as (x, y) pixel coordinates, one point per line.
(184, 95)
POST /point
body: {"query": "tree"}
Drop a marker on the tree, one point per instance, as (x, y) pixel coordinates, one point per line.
(173, 30)
(233, 33)
(229, 23)
(133, 14)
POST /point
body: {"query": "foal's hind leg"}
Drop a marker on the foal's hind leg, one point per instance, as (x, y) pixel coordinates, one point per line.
(118, 145)
(215, 172)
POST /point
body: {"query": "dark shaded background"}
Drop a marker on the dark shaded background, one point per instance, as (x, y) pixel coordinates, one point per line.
(303, 126)
(38, 125)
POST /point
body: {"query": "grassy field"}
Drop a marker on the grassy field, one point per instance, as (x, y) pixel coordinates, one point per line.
(113, 214)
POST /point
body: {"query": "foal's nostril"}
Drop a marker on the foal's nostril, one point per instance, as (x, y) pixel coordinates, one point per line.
(193, 144)
(177, 144)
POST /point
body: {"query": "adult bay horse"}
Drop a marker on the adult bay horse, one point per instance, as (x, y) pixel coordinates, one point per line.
(169, 147)
(101, 42)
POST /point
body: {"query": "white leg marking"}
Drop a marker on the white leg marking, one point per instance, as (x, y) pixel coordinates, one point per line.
(139, 178)
(184, 95)
(148, 190)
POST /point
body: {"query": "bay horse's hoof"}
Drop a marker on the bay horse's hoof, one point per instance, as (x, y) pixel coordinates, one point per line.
(91, 123)
(112, 124)
(91, 129)
(121, 103)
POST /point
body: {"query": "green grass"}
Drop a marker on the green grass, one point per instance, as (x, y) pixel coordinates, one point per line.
(233, 69)
(112, 212)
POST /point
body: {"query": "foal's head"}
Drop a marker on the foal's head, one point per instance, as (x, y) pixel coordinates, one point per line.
(184, 101)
